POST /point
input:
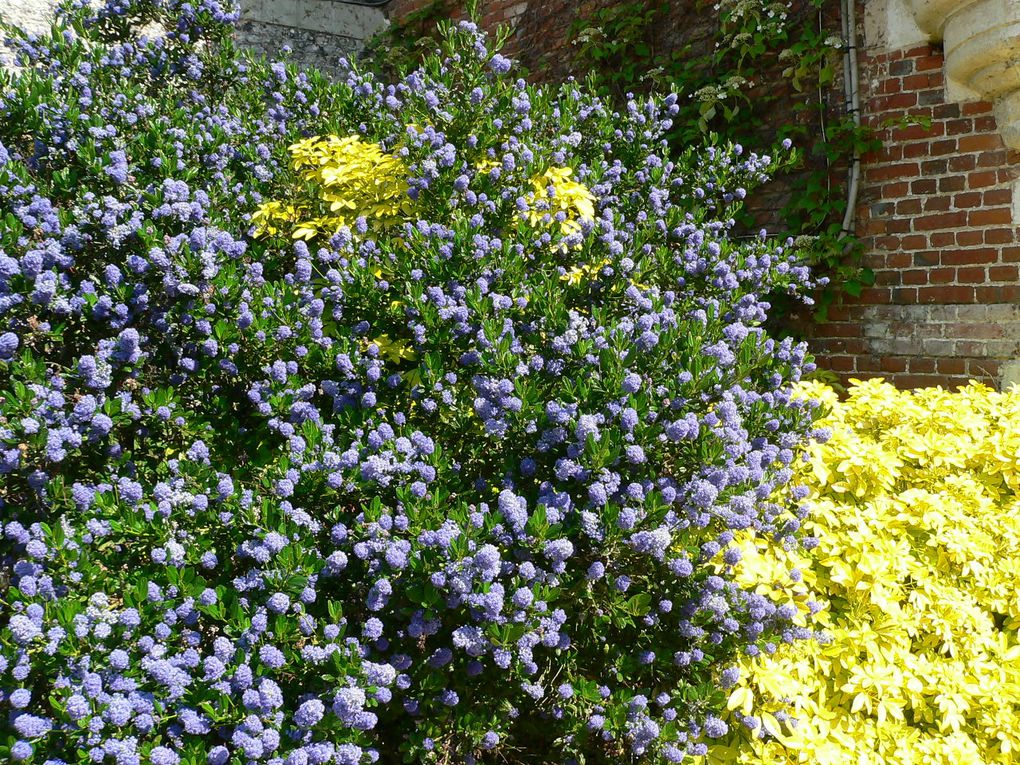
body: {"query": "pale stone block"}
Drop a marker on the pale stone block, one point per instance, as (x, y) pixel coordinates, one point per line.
(889, 25)
(354, 21)
(1009, 374)
(932, 15)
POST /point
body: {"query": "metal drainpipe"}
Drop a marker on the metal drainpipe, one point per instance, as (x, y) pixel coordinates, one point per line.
(851, 86)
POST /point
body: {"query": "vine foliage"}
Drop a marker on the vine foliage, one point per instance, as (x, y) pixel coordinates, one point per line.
(759, 58)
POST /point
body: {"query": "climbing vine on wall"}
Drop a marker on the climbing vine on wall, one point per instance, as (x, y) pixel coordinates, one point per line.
(765, 70)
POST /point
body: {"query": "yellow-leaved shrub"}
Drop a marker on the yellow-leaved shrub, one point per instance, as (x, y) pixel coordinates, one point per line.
(347, 177)
(915, 508)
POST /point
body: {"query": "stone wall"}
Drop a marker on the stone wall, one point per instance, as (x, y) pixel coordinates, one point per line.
(317, 32)
(31, 15)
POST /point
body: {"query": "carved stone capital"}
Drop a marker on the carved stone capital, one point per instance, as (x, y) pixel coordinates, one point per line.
(981, 40)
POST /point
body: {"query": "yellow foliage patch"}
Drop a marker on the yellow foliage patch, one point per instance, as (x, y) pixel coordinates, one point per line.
(914, 501)
(347, 178)
(351, 178)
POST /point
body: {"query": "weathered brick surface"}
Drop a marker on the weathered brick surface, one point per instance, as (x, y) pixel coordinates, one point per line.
(936, 211)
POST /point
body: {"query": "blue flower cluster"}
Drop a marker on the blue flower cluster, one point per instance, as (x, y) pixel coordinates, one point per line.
(237, 527)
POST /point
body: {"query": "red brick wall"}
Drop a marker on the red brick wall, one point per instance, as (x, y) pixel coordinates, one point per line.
(936, 215)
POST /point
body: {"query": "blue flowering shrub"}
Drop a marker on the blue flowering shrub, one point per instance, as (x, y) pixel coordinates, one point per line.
(350, 422)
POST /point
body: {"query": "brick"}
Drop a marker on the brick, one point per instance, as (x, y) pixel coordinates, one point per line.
(985, 123)
(949, 366)
(924, 186)
(908, 207)
(1003, 313)
(970, 348)
(894, 190)
(962, 163)
(875, 295)
(901, 68)
(904, 295)
(970, 199)
(968, 257)
(921, 365)
(914, 132)
(890, 85)
(922, 51)
(935, 167)
(894, 346)
(952, 183)
(1010, 255)
(969, 238)
(1000, 293)
(888, 153)
(940, 220)
(945, 294)
(998, 197)
(937, 204)
(992, 217)
(887, 278)
(958, 127)
(914, 277)
(868, 364)
(893, 364)
(990, 159)
(915, 150)
(842, 329)
(970, 275)
(1003, 273)
(982, 142)
(919, 81)
(891, 172)
(935, 148)
(839, 363)
(926, 258)
(942, 239)
(999, 236)
(895, 102)
(983, 369)
(941, 275)
(914, 242)
(1002, 349)
(917, 381)
(929, 62)
(976, 107)
(946, 111)
(982, 178)
(983, 331)
(873, 227)
(887, 243)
